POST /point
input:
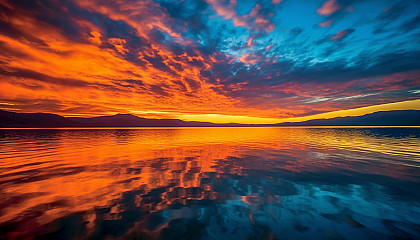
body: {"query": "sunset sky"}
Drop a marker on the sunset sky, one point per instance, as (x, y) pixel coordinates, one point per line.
(209, 60)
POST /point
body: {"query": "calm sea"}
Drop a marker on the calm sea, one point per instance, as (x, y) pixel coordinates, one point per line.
(210, 183)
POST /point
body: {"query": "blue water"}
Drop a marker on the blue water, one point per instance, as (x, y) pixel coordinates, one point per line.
(210, 183)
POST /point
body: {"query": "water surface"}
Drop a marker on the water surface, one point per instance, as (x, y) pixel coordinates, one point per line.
(210, 183)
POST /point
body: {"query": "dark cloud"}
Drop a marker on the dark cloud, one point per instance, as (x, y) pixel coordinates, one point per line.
(388, 16)
(364, 67)
(296, 31)
(39, 105)
(60, 15)
(157, 89)
(9, 53)
(130, 83)
(410, 25)
(40, 77)
(9, 30)
(188, 14)
(194, 85)
(157, 62)
(181, 85)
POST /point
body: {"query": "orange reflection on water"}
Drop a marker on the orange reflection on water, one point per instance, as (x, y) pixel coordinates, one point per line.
(50, 174)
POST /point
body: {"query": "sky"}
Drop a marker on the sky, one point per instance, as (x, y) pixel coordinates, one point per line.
(250, 61)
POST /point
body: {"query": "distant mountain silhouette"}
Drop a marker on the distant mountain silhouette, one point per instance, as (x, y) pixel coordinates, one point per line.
(25, 120)
(384, 118)
(128, 120)
(46, 120)
(11, 119)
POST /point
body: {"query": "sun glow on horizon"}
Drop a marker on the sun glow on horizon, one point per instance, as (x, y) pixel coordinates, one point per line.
(224, 118)
(405, 105)
(218, 118)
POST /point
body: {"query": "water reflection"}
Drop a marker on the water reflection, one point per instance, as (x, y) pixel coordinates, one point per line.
(210, 183)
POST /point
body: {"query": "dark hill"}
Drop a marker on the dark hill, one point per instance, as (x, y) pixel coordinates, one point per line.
(127, 120)
(385, 118)
(11, 119)
(28, 120)
(46, 120)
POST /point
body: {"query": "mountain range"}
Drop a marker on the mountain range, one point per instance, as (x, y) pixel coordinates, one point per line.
(383, 118)
(48, 120)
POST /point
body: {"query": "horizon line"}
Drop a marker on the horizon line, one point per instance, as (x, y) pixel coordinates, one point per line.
(134, 128)
(231, 119)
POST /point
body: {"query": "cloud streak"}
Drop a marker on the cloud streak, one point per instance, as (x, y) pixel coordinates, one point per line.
(341, 34)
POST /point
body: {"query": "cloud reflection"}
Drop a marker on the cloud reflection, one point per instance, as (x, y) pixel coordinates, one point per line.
(205, 183)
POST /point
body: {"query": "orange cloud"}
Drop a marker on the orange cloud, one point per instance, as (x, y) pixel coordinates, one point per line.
(340, 34)
(329, 7)
(326, 23)
(252, 21)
